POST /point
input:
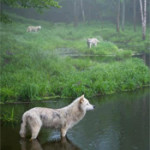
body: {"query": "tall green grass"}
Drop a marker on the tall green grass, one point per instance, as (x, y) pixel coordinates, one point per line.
(107, 78)
(42, 75)
(8, 117)
(32, 66)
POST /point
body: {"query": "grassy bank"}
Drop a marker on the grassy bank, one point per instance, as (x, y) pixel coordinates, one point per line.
(32, 66)
(42, 75)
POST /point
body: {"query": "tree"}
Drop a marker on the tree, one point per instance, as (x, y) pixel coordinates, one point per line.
(82, 10)
(39, 4)
(75, 13)
(143, 17)
(30, 3)
(118, 16)
(123, 14)
(134, 15)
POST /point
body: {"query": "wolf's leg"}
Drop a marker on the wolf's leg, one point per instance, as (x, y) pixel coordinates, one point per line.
(35, 131)
(23, 128)
(90, 44)
(35, 126)
(63, 132)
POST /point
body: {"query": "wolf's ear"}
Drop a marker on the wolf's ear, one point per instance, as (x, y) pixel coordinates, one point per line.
(82, 99)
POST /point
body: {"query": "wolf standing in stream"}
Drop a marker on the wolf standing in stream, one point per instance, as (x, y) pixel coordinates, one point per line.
(62, 119)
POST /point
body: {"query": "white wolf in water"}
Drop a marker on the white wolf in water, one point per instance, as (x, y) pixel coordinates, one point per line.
(62, 119)
(92, 41)
(33, 28)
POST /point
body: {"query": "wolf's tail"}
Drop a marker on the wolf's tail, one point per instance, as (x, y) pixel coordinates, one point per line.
(23, 126)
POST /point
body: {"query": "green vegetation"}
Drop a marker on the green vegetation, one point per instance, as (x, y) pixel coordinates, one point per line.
(128, 39)
(33, 65)
(8, 117)
(31, 4)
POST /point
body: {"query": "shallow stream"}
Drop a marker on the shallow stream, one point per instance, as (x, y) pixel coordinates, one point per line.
(119, 122)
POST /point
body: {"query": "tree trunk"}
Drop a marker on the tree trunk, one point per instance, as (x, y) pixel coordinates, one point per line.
(134, 15)
(75, 13)
(89, 13)
(144, 21)
(82, 10)
(123, 14)
(118, 17)
(143, 18)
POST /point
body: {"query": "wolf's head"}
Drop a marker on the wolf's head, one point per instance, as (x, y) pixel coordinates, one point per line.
(39, 27)
(84, 104)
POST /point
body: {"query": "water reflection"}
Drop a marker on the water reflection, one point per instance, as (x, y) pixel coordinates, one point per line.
(119, 122)
(55, 144)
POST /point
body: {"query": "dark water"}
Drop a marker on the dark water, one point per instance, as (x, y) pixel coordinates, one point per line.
(119, 122)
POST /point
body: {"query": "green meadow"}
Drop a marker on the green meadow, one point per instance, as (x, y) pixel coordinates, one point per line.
(38, 65)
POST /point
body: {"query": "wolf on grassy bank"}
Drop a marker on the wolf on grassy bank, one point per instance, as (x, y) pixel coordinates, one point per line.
(33, 28)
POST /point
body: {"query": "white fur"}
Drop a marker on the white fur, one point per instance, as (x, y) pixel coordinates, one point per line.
(33, 28)
(62, 119)
(92, 41)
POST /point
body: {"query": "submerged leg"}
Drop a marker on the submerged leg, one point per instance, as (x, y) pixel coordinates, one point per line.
(35, 126)
(23, 128)
(63, 132)
(35, 131)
